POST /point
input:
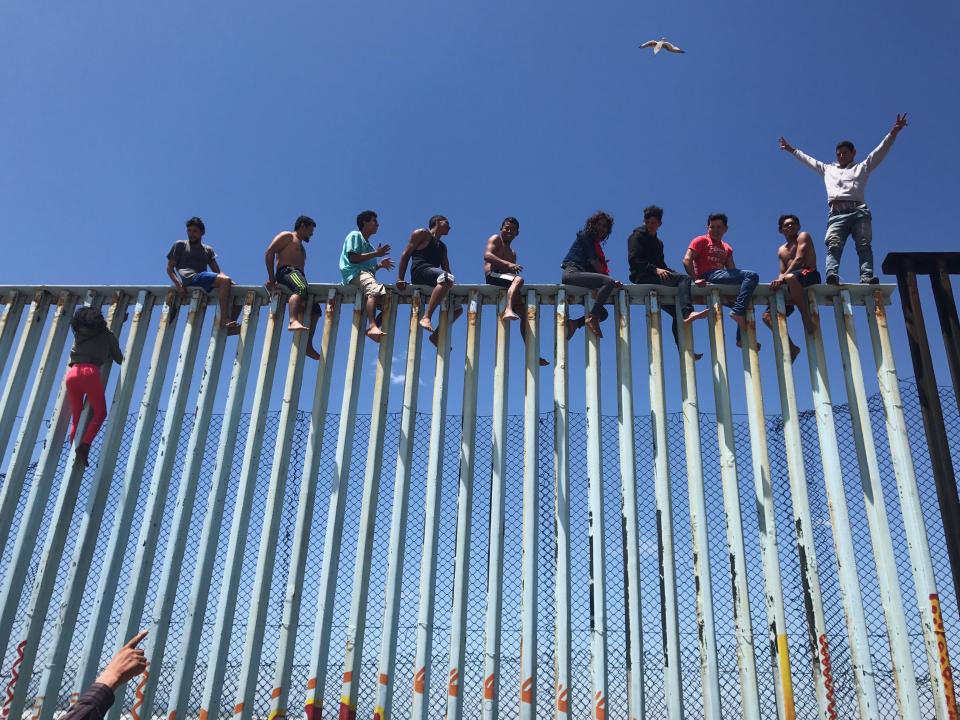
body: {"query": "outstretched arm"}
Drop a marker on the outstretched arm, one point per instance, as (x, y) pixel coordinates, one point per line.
(880, 152)
(810, 162)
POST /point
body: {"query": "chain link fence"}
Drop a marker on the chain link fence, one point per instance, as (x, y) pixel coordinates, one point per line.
(471, 681)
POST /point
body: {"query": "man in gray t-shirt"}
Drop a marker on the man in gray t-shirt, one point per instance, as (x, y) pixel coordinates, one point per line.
(187, 264)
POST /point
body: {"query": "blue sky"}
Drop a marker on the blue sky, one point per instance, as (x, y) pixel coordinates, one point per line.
(121, 120)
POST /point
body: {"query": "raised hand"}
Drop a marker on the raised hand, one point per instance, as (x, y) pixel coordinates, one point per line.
(784, 145)
(900, 123)
(386, 264)
(126, 664)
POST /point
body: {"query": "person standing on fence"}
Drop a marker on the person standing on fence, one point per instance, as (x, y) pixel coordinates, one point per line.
(94, 344)
(288, 254)
(358, 263)
(97, 699)
(710, 260)
(500, 268)
(846, 184)
(649, 267)
(431, 267)
(187, 266)
(585, 265)
(798, 271)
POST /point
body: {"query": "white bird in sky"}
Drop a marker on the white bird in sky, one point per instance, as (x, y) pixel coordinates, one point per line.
(661, 44)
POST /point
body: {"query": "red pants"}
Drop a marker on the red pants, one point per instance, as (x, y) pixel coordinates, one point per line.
(83, 379)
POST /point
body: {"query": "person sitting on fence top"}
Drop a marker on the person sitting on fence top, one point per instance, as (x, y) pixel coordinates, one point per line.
(710, 260)
(97, 699)
(798, 271)
(649, 267)
(431, 267)
(358, 263)
(94, 344)
(585, 265)
(288, 252)
(500, 268)
(846, 184)
(187, 264)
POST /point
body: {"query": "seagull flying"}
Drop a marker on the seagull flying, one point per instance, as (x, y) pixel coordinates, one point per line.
(661, 44)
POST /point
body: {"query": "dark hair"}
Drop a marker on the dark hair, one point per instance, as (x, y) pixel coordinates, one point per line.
(511, 219)
(718, 216)
(653, 211)
(591, 228)
(87, 317)
(304, 220)
(365, 217)
(434, 220)
(846, 144)
(196, 222)
(784, 218)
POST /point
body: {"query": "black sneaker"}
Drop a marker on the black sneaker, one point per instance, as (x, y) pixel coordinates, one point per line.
(874, 280)
(833, 279)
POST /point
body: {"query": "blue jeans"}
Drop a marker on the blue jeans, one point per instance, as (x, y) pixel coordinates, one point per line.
(858, 223)
(747, 279)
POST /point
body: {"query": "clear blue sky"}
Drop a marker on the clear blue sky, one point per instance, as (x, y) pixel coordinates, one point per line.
(123, 119)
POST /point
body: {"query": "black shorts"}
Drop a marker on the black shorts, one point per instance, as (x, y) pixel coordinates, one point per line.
(296, 282)
(503, 280)
(806, 277)
(427, 275)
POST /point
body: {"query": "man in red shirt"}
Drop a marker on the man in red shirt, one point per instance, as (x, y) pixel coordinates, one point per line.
(710, 260)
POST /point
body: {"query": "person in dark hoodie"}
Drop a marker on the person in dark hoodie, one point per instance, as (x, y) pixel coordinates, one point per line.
(586, 266)
(93, 346)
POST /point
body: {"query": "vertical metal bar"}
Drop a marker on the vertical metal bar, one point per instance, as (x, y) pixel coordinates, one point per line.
(629, 529)
(139, 579)
(270, 530)
(924, 580)
(928, 393)
(598, 563)
(802, 522)
(383, 705)
(888, 581)
(420, 709)
(162, 611)
(186, 658)
(561, 490)
(9, 322)
(949, 326)
(709, 669)
(356, 625)
(48, 367)
(305, 513)
(672, 681)
(23, 363)
(333, 532)
(89, 531)
(54, 544)
(461, 563)
(743, 629)
(766, 520)
(859, 642)
(130, 492)
(531, 505)
(240, 523)
(25, 538)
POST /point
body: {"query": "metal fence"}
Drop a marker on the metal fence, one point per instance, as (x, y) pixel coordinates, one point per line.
(279, 568)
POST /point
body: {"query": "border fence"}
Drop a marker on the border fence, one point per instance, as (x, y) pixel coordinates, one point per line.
(770, 563)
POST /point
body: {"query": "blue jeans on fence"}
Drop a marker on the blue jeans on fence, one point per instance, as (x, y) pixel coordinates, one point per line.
(840, 226)
(746, 279)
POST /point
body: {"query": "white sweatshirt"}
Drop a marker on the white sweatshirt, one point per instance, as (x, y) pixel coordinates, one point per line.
(847, 184)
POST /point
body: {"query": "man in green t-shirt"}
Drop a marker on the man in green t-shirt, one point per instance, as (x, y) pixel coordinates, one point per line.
(358, 263)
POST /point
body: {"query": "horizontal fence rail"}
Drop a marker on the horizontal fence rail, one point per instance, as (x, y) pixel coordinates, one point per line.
(547, 541)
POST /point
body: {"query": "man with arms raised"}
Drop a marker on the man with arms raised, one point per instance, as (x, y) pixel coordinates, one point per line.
(288, 253)
(430, 267)
(358, 263)
(798, 271)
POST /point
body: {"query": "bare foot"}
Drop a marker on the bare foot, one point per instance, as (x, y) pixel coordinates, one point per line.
(296, 326)
(544, 362)
(509, 314)
(794, 352)
(427, 325)
(376, 334)
(593, 325)
(696, 315)
(312, 354)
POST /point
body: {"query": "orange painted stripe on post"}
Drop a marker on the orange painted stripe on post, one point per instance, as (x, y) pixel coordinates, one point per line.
(238, 708)
(526, 691)
(384, 679)
(452, 686)
(488, 687)
(275, 693)
(600, 707)
(203, 714)
(418, 680)
(946, 672)
(562, 703)
(347, 676)
(312, 684)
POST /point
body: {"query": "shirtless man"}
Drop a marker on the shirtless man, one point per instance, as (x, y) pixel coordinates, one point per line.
(500, 268)
(798, 271)
(430, 267)
(288, 253)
